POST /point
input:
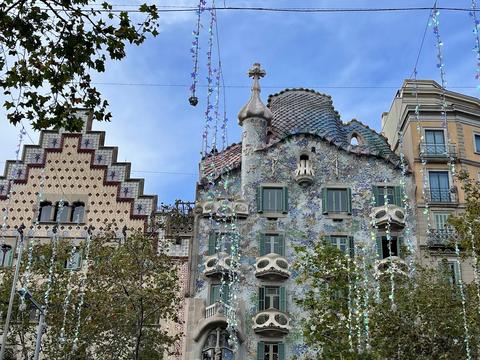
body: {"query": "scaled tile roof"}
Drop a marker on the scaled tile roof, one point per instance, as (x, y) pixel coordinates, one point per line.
(305, 111)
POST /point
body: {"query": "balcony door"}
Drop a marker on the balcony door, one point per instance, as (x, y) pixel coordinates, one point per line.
(435, 142)
(439, 186)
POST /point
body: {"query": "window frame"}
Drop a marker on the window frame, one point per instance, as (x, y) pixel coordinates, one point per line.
(444, 144)
(262, 347)
(282, 209)
(325, 202)
(450, 182)
(399, 240)
(41, 207)
(7, 257)
(262, 246)
(282, 298)
(349, 243)
(475, 149)
(397, 193)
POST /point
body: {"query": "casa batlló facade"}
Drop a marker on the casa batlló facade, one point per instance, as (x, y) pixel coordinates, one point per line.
(299, 175)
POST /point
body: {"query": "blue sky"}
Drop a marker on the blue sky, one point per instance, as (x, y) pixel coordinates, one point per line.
(160, 133)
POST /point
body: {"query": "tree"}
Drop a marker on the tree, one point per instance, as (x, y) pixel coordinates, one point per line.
(49, 49)
(130, 294)
(351, 311)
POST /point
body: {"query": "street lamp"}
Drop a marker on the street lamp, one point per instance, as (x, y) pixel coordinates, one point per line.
(41, 321)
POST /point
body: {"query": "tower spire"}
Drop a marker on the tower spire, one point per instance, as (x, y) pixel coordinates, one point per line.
(255, 108)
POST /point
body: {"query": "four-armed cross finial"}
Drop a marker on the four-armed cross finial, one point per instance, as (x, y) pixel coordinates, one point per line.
(256, 72)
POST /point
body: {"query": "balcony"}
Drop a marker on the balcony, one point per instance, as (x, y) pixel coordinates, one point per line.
(389, 214)
(224, 208)
(441, 196)
(304, 173)
(272, 323)
(441, 238)
(217, 264)
(272, 267)
(397, 264)
(438, 152)
(217, 309)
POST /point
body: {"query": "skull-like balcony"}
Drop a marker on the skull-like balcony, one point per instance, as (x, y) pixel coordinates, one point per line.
(389, 214)
(392, 263)
(272, 267)
(224, 208)
(304, 173)
(272, 323)
(218, 264)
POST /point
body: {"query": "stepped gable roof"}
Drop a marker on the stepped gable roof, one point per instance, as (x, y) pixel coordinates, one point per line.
(305, 111)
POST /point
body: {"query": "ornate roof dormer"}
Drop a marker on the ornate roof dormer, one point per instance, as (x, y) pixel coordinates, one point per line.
(255, 108)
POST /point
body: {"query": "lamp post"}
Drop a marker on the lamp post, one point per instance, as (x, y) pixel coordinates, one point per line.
(41, 321)
(12, 292)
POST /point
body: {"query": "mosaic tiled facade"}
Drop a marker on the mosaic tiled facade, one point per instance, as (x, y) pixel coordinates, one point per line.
(296, 155)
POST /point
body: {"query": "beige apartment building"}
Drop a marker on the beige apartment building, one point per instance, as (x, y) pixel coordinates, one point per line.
(435, 153)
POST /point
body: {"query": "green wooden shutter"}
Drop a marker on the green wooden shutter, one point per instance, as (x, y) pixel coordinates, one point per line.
(260, 350)
(259, 199)
(9, 259)
(281, 351)
(212, 243)
(285, 200)
(261, 244)
(397, 195)
(283, 299)
(376, 195)
(281, 245)
(225, 294)
(324, 201)
(349, 200)
(327, 240)
(351, 246)
(214, 293)
(379, 247)
(400, 246)
(261, 298)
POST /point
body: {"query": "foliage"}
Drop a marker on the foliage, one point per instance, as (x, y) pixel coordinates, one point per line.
(49, 49)
(352, 313)
(130, 296)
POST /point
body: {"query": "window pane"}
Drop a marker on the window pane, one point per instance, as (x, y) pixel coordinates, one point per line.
(78, 213)
(272, 199)
(477, 143)
(337, 200)
(45, 212)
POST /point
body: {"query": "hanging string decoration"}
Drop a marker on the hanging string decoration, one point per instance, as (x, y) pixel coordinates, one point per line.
(391, 266)
(66, 302)
(81, 292)
(194, 50)
(476, 26)
(210, 87)
(435, 23)
(53, 257)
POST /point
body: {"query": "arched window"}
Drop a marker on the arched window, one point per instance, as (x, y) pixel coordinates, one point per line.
(217, 343)
(45, 213)
(356, 139)
(62, 212)
(78, 212)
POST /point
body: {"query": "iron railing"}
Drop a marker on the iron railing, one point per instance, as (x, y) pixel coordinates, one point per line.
(438, 150)
(437, 195)
(441, 237)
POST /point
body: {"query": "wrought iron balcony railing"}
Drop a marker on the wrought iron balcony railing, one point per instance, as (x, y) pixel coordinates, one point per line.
(447, 196)
(441, 151)
(441, 237)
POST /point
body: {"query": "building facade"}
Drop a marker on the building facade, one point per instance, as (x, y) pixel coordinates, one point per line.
(299, 175)
(71, 182)
(436, 151)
